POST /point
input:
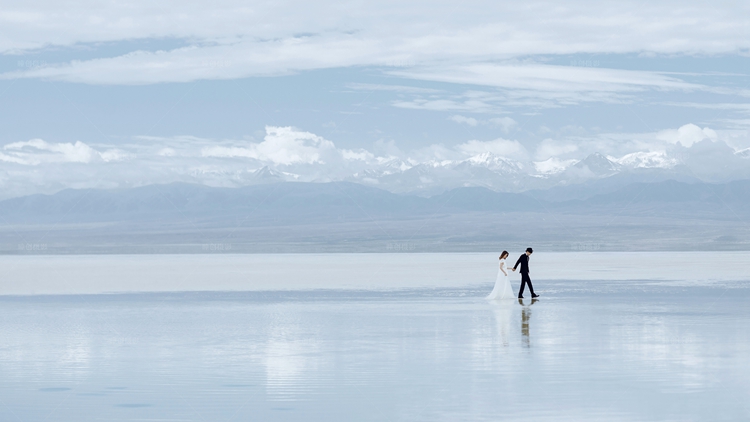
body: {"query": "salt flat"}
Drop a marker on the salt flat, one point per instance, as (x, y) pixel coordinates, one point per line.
(624, 337)
(94, 274)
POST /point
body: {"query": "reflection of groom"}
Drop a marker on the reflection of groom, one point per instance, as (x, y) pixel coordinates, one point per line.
(524, 261)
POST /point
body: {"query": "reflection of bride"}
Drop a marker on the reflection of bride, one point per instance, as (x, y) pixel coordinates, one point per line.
(502, 289)
(502, 311)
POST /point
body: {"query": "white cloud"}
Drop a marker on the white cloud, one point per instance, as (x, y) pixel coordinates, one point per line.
(38, 151)
(361, 155)
(230, 152)
(281, 145)
(687, 135)
(166, 152)
(434, 153)
(506, 123)
(114, 155)
(552, 165)
(503, 147)
(448, 104)
(464, 120)
(549, 148)
(646, 159)
(387, 148)
(670, 141)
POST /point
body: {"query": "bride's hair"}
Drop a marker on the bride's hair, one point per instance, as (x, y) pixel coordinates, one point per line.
(504, 254)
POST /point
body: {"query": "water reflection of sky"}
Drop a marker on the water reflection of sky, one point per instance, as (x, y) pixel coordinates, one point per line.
(587, 350)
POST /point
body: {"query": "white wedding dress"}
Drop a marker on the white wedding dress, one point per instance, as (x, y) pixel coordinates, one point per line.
(502, 289)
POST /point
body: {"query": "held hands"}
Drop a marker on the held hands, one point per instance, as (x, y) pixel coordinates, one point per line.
(514, 270)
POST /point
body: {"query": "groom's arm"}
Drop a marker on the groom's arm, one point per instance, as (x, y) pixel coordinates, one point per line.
(518, 262)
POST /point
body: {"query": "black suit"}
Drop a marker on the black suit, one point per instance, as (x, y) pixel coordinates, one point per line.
(524, 261)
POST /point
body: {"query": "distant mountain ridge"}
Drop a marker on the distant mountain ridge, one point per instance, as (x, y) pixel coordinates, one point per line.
(287, 198)
(350, 217)
(424, 173)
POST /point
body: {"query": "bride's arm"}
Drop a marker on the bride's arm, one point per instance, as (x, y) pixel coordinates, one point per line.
(502, 267)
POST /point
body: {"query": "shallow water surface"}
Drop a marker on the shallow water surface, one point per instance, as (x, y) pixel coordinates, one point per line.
(623, 350)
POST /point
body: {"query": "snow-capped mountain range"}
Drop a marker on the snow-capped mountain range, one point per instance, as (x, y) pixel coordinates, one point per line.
(505, 174)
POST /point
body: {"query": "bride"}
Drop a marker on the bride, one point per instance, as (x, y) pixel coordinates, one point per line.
(502, 288)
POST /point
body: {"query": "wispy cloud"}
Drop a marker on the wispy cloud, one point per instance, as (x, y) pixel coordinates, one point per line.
(538, 85)
(504, 123)
(549, 77)
(234, 40)
(392, 88)
(464, 120)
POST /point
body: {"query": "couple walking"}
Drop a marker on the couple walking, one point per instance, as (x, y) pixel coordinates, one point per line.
(503, 289)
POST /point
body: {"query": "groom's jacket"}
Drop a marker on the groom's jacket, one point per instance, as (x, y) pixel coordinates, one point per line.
(524, 261)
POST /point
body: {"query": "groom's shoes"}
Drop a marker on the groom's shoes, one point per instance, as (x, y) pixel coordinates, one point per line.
(520, 297)
(534, 296)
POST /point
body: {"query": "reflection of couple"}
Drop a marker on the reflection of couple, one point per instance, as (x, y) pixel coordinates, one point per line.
(503, 313)
(503, 289)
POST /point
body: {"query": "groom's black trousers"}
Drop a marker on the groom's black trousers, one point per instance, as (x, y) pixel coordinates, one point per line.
(524, 281)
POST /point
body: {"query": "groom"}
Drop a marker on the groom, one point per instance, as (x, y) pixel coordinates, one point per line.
(524, 261)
